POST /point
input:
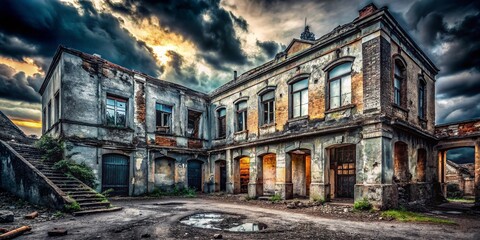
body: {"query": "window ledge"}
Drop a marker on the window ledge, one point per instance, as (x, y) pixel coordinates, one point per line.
(241, 132)
(340, 108)
(268, 125)
(400, 107)
(306, 117)
(163, 133)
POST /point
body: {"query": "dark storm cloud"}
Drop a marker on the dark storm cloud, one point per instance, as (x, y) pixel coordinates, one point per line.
(16, 86)
(269, 47)
(240, 22)
(35, 29)
(461, 155)
(205, 23)
(455, 25)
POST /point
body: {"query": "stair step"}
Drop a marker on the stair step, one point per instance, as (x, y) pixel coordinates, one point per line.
(93, 211)
(75, 189)
(88, 200)
(94, 204)
(83, 195)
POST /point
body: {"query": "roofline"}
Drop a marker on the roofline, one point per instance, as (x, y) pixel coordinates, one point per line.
(459, 122)
(61, 49)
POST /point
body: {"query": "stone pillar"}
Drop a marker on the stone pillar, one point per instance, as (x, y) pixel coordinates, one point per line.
(230, 176)
(477, 174)
(283, 184)
(255, 186)
(442, 161)
(319, 187)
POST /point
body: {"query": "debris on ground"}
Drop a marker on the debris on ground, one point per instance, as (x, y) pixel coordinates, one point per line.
(6, 216)
(32, 215)
(15, 233)
(57, 232)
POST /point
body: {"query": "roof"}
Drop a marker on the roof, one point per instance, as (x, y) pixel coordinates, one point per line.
(93, 58)
(9, 131)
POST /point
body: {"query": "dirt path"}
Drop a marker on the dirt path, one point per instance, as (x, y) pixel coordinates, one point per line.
(158, 219)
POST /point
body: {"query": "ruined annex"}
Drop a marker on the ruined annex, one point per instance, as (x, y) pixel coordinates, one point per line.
(350, 114)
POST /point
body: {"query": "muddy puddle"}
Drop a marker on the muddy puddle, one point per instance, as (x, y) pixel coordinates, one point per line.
(221, 221)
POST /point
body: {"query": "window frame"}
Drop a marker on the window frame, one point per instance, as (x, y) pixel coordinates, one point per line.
(422, 103)
(116, 99)
(220, 119)
(340, 79)
(199, 127)
(300, 91)
(56, 102)
(164, 124)
(401, 99)
(270, 112)
(241, 112)
(49, 113)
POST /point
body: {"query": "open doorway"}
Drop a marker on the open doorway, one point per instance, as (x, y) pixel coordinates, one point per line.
(301, 172)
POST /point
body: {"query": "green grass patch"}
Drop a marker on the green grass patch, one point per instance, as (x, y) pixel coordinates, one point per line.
(363, 205)
(58, 214)
(175, 191)
(318, 199)
(275, 198)
(407, 216)
(72, 207)
(461, 200)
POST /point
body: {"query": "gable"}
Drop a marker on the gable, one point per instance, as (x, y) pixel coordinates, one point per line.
(297, 46)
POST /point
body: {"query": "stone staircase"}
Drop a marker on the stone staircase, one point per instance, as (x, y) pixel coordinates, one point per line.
(88, 199)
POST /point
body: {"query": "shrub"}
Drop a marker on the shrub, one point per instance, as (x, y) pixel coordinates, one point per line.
(275, 198)
(454, 191)
(72, 207)
(175, 191)
(362, 205)
(81, 171)
(52, 148)
(318, 199)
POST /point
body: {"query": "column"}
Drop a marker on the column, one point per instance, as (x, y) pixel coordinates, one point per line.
(255, 186)
(230, 177)
(283, 184)
(477, 174)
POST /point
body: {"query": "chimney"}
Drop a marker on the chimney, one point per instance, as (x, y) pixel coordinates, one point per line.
(234, 75)
(367, 10)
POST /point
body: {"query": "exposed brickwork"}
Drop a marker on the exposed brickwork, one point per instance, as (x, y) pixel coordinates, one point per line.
(464, 129)
(367, 10)
(193, 143)
(371, 74)
(140, 107)
(165, 141)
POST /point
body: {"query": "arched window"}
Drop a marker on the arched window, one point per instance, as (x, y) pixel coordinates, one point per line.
(340, 85)
(241, 108)
(267, 107)
(399, 82)
(221, 122)
(299, 98)
(421, 99)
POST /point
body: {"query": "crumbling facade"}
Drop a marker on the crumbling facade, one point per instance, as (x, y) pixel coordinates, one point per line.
(348, 115)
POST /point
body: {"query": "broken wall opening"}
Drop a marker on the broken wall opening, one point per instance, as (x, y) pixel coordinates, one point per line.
(460, 172)
(301, 177)
(193, 123)
(164, 172)
(269, 169)
(220, 175)
(400, 163)
(241, 174)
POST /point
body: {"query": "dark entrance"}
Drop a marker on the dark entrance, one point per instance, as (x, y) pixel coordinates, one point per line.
(344, 169)
(223, 177)
(195, 175)
(115, 174)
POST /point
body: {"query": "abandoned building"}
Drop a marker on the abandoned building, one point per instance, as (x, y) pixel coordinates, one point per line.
(461, 176)
(348, 115)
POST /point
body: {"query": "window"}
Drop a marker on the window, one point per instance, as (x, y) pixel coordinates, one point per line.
(193, 125)
(221, 121)
(421, 99)
(267, 107)
(57, 107)
(163, 118)
(241, 115)
(44, 120)
(299, 91)
(398, 82)
(116, 111)
(49, 112)
(340, 86)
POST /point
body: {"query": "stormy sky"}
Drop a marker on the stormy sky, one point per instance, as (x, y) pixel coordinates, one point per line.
(200, 43)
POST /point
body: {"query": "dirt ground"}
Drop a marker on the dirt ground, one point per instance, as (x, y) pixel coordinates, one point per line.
(159, 219)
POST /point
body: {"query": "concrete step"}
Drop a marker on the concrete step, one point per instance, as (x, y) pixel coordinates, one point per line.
(74, 189)
(88, 200)
(93, 211)
(94, 204)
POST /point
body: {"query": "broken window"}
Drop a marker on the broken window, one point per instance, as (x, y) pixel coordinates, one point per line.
(164, 118)
(421, 99)
(300, 98)
(57, 107)
(221, 121)
(116, 111)
(267, 107)
(398, 82)
(49, 112)
(193, 127)
(241, 115)
(340, 85)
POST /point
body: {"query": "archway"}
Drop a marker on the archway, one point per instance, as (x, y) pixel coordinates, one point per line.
(301, 172)
(164, 174)
(220, 175)
(460, 173)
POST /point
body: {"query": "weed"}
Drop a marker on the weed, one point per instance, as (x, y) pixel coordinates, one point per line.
(72, 207)
(81, 171)
(175, 191)
(53, 149)
(362, 205)
(107, 192)
(407, 216)
(275, 198)
(58, 214)
(318, 199)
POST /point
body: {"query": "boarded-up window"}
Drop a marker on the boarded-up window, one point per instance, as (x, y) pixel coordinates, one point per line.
(400, 161)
